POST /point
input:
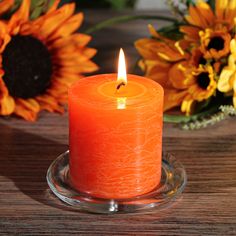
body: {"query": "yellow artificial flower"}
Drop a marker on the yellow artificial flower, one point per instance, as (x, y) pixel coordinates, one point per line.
(227, 80)
(39, 59)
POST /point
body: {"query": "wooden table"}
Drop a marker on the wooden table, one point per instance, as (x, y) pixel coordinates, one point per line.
(27, 207)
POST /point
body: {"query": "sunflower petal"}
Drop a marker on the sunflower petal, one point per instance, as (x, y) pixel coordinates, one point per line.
(5, 5)
(177, 77)
(7, 105)
(156, 35)
(23, 112)
(49, 101)
(147, 48)
(195, 17)
(173, 98)
(86, 67)
(221, 6)
(80, 40)
(29, 104)
(54, 20)
(191, 32)
(4, 36)
(206, 12)
(230, 13)
(20, 17)
(69, 26)
(54, 6)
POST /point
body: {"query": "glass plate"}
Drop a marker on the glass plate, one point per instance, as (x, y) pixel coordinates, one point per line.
(172, 184)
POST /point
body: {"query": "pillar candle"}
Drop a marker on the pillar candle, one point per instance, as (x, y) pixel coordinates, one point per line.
(115, 136)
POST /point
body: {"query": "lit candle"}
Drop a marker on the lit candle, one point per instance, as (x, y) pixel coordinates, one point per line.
(115, 134)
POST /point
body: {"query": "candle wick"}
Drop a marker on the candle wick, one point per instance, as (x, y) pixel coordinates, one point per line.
(119, 85)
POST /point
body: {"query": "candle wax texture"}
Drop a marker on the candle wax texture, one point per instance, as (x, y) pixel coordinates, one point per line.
(115, 136)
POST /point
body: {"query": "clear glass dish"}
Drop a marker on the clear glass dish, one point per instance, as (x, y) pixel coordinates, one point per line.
(172, 184)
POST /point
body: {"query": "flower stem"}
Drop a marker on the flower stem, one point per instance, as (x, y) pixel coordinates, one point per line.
(126, 18)
(186, 119)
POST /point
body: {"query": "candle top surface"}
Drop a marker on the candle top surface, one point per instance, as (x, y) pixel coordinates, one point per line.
(101, 91)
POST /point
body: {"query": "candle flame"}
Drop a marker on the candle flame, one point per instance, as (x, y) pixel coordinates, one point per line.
(122, 77)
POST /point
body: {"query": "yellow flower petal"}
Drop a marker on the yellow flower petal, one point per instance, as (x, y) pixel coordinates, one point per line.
(223, 83)
(188, 106)
(233, 48)
(234, 100)
(234, 82)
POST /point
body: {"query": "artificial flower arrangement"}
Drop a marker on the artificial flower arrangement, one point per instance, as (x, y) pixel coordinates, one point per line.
(194, 59)
(41, 54)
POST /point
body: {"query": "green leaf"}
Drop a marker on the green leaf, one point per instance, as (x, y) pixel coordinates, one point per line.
(39, 7)
(186, 119)
(212, 4)
(127, 18)
(190, 2)
(200, 106)
(114, 4)
(171, 32)
(118, 4)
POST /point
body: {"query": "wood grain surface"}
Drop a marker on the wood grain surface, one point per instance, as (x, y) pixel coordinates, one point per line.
(27, 207)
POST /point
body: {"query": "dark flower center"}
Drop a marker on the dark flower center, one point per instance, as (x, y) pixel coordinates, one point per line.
(216, 43)
(202, 61)
(28, 67)
(203, 80)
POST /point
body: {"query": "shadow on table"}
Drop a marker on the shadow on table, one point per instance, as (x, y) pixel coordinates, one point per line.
(25, 159)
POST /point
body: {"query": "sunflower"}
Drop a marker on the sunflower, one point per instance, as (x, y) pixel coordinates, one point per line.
(200, 82)
(227, 80)
(195, 84)
(202, 17)
(39, 59)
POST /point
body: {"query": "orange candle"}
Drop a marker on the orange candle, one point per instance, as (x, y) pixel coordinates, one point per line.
(115, 134)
